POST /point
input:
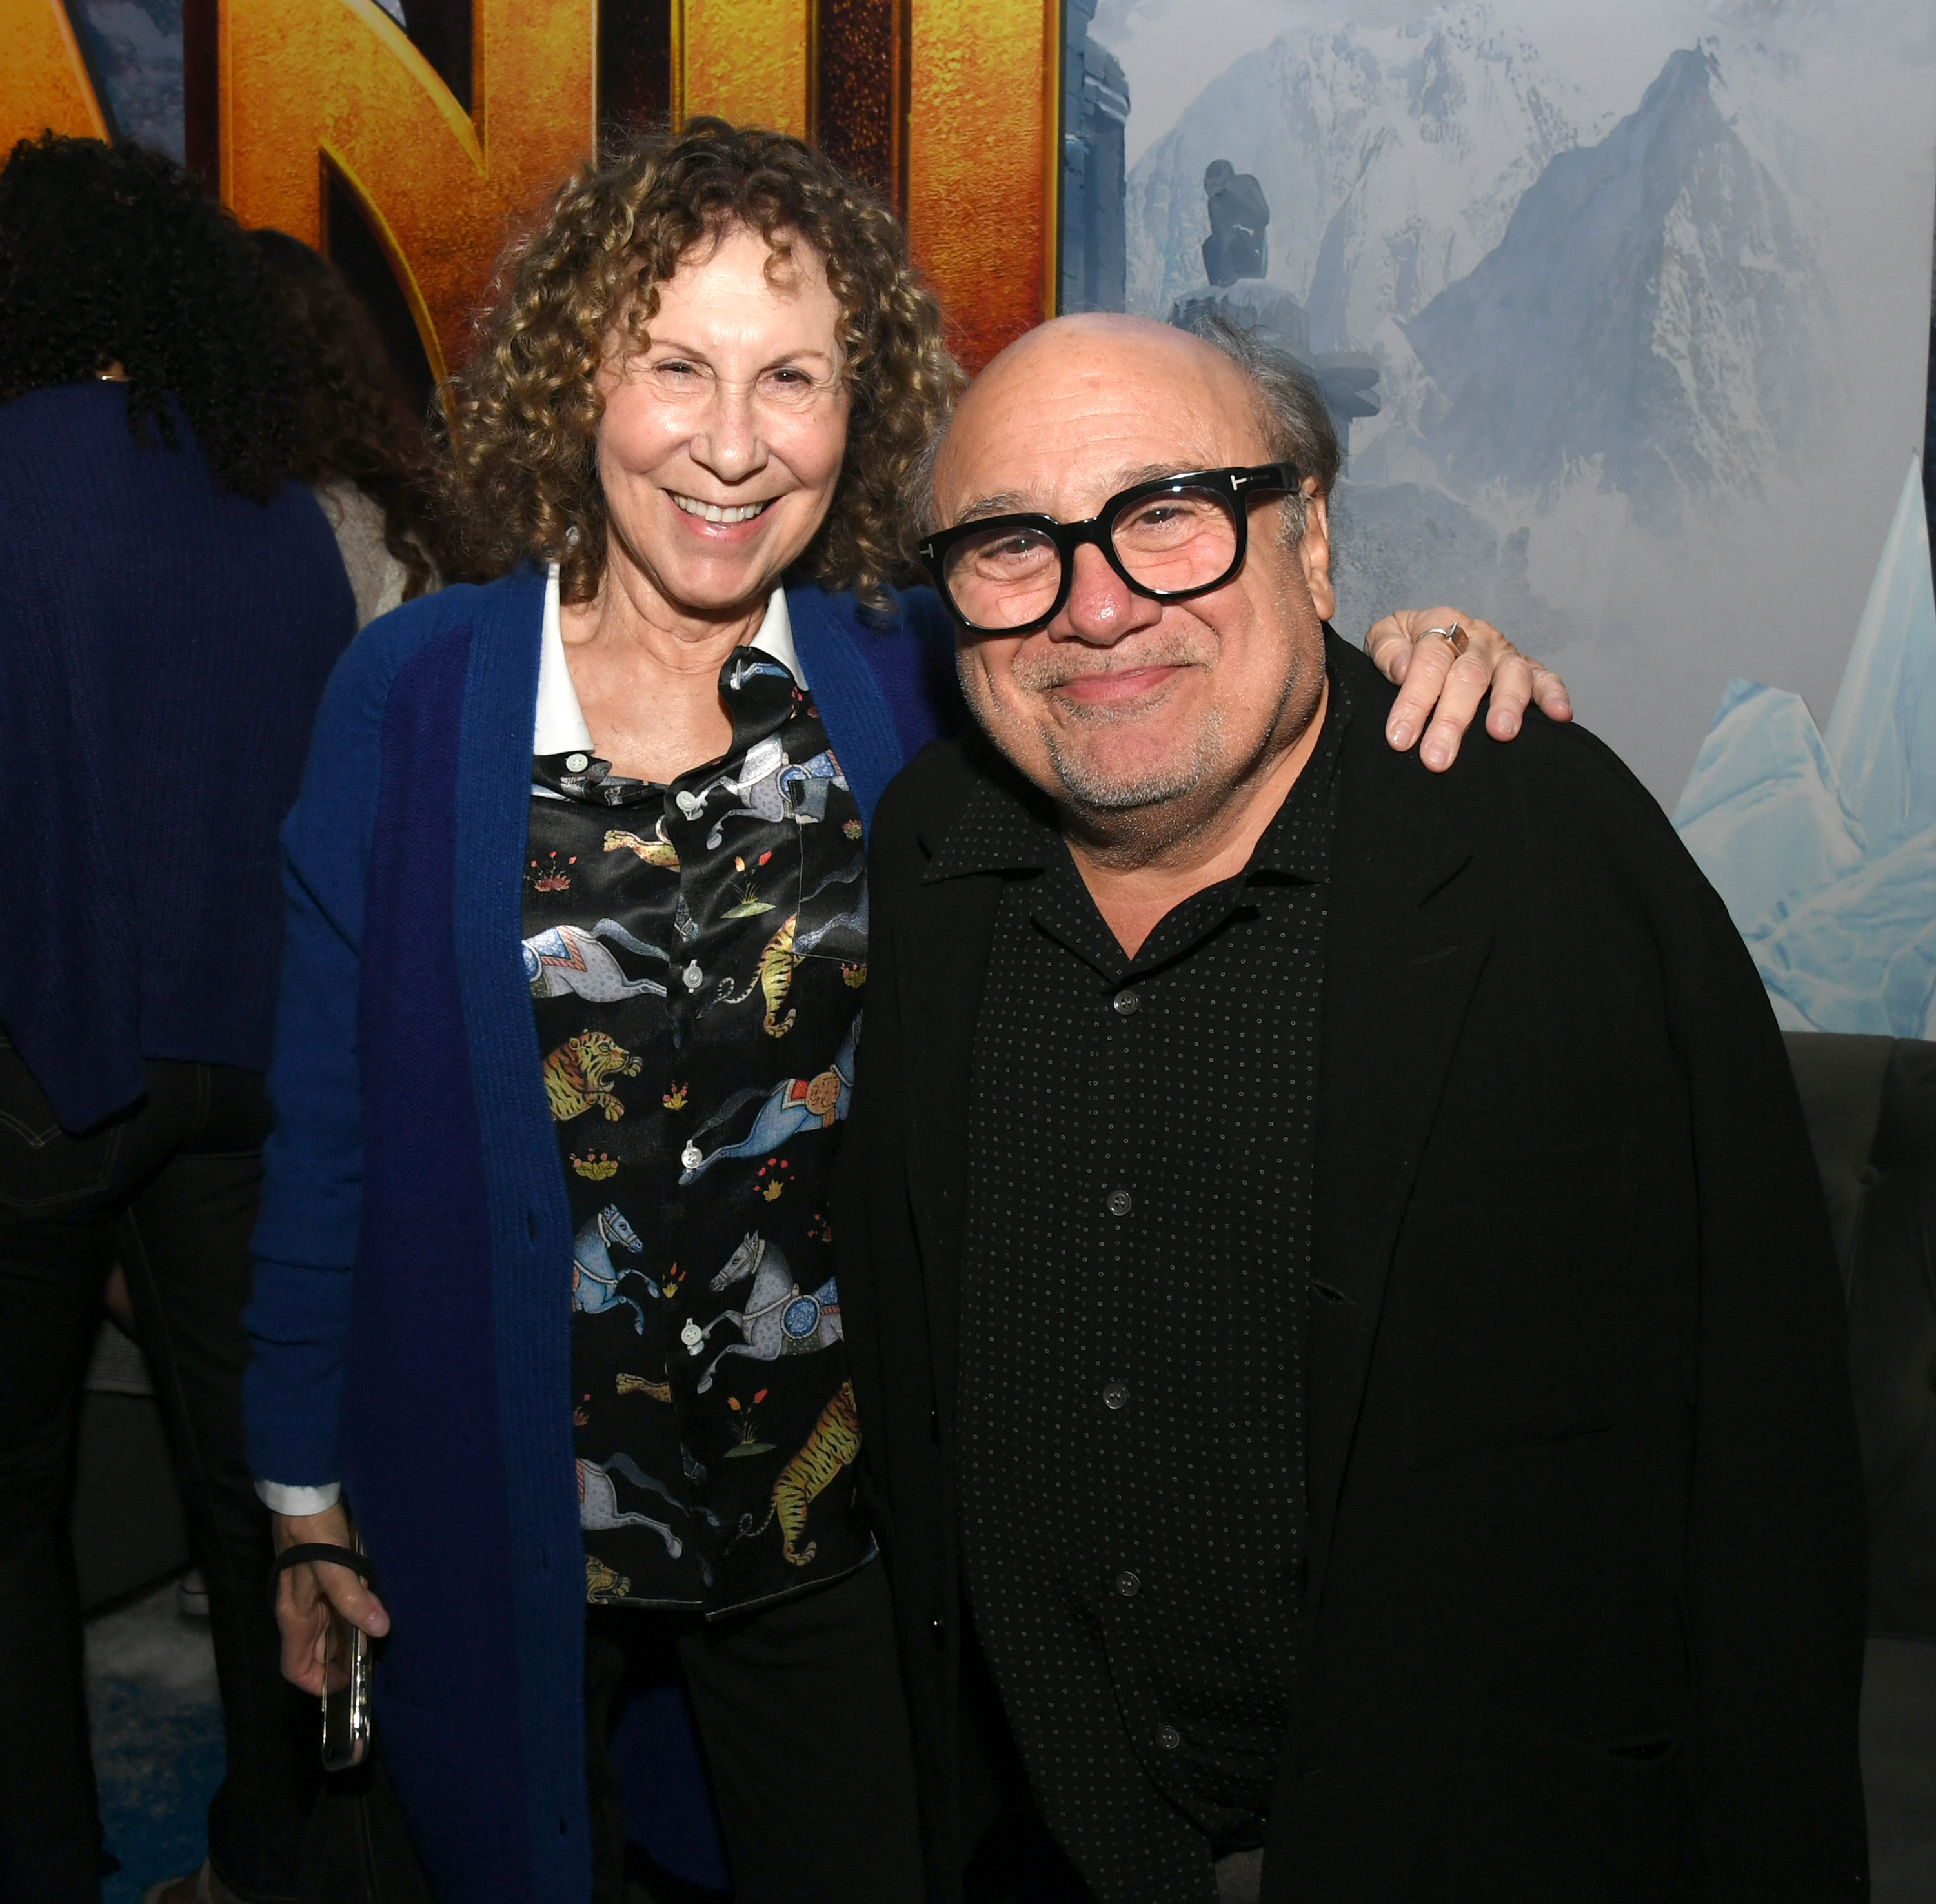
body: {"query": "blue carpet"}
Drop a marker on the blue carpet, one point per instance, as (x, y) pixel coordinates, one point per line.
(156, 1721)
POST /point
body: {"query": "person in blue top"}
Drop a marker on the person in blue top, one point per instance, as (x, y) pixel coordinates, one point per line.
(171, 606)
(577, 968)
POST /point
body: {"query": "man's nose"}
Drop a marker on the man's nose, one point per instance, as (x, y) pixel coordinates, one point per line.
(1102, 606)
(729, 440)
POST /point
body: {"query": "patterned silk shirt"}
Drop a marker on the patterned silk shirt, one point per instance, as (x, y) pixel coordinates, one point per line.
(697, 954)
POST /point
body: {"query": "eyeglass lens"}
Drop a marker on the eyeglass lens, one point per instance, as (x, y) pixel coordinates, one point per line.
(1165, 543)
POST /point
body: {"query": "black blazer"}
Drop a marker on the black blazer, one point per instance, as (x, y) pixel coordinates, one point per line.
(1583, 1617)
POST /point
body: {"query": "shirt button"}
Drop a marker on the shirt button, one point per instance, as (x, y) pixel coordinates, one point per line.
(1126, 1002)
(939, 1630)
(1115, 1395)
(1120, 1203)
(1169, 1738)
(1127, 1584)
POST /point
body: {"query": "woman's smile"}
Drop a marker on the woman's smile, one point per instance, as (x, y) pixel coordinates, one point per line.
(715, 512)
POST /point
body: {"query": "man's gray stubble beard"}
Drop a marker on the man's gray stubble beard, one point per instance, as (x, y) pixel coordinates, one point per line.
(1158, 796)
(1150, 814)
(1092, 792)
(1085, 790)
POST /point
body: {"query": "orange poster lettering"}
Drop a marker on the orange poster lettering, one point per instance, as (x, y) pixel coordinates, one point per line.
(311, 84)
(982, 172)
(44, 82)
(749, 61)
(314, 87)
(980, 141)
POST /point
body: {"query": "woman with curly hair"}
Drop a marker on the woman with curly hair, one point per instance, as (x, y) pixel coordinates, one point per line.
(577, 960)
(170, 609)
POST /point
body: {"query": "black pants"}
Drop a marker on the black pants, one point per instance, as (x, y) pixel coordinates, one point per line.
(804, 1723)
(170, 1189)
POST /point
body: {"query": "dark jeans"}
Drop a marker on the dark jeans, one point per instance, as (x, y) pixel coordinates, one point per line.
(804, 1723)
(170, 1188)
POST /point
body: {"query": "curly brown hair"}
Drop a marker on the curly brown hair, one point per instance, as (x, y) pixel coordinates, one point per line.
(523, 414)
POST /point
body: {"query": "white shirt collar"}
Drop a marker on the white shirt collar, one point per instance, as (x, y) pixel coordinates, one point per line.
(560, 725)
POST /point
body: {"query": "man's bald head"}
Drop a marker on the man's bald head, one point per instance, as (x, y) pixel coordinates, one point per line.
(1145, 718)
(1224, 372)
(1057, 363)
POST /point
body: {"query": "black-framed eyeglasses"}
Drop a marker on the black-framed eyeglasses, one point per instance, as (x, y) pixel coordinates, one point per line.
(1170, 539)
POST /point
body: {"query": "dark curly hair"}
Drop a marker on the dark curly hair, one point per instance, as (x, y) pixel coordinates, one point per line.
(112, 254)
(359, 425)
(523, 414)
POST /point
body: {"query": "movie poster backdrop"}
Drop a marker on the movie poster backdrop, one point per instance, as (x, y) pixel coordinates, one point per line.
(1624, 312)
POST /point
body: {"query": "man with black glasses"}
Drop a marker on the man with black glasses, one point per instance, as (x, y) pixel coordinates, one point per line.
(1344, 1329)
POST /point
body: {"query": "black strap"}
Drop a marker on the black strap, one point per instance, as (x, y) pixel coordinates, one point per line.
(305, 1551)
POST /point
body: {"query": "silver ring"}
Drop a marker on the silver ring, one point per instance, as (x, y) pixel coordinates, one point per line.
(1455, 638)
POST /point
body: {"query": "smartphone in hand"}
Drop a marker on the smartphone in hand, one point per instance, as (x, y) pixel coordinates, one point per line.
(345, 1692)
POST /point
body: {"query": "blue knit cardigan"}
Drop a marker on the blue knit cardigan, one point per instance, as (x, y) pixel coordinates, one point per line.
(163, 646)
(410, 1324)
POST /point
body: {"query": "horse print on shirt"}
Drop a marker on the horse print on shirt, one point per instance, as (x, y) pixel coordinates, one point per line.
(780, 1317)
(805, 784)
(851, 925)
(565, 958)
(598, 1501)
(594, 1280)
(576, 1075)
(793, 1105)
(772, 788)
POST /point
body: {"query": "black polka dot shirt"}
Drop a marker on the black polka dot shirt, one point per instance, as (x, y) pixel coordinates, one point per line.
(1132, 1399)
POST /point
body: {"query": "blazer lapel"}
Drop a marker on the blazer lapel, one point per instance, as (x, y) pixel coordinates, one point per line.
(1405, 942)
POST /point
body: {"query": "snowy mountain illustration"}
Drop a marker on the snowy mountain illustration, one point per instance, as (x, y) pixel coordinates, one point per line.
(1824, 847)
(1392, 160)
(1651, 309)
(1639, 313)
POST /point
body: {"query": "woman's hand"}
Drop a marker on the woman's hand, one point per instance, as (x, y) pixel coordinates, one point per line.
(1411, 649)
(307, 1592)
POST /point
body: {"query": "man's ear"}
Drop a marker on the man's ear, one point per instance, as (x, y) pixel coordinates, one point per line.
(1314, 552)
